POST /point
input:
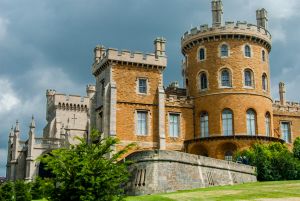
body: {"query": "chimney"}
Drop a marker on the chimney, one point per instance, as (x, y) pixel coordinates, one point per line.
(160, 47)
(262, 18)
(217, 13)
(282, 93)
(99, 51)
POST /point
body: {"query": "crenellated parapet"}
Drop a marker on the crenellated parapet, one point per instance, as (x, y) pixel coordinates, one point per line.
(178, 101)
(231, 30)
(291, 107)
(105, 57)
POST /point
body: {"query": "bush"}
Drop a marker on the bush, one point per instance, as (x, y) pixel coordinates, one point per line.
(296, 148)
(22, 191)
(273, 162)
(7, 192)
(40, 188)
(84, 172)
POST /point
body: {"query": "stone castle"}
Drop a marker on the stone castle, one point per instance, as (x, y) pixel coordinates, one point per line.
(224, 106)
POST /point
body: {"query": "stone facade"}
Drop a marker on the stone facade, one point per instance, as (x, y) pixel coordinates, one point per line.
(129, 101)
(161, 171)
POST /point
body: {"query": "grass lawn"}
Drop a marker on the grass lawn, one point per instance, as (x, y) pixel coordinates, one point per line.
(261, 191)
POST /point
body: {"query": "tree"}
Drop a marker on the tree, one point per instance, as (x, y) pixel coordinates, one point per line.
(85, 172)
(22, 191)
(7, 192)
(296, 148)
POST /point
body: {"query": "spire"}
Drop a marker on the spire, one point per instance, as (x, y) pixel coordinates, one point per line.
(32, 124)
(217, 12)
(11, 133)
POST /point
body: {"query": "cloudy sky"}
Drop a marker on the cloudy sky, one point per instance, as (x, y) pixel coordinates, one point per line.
(48, 44)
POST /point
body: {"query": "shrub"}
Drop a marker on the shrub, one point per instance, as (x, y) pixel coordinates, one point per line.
(296, 148)
(7, 192)
(22, 191)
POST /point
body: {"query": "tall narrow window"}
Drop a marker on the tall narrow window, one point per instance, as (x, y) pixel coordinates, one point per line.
(204, 124)
(251, 124)
(102, 87)
(142, 85)
(247, 51)
(264, 82)
(225, 78)
(142, 122)
(286, 131)
(227, 122)
(263, 55)
(174, 125)
(224, 50)
(203, 81)
(201, 54)
(268, 125)
(248, 78)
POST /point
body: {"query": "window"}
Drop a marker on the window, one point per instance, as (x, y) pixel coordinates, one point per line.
(142, 85)
(248, 78)
(174, 125)
(247, 51)
(264, 82)
(224, 50)
(102, 87)
(268, 124)
(263, 55)
(225, 78)
(228, 155)
(251, 125)
(201, 54)
(204, 124)
(203, 81)
(227, 122)
(286, 131)
(142, 123)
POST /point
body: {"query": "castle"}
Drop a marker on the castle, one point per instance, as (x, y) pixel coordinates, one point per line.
(225, 105)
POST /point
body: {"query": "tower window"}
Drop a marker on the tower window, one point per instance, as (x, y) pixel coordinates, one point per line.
(174, 125)
(142, 85)
(224, 50)
(268, 124)
(225, 78)
(227, 122)
(247, 51)
(263, 55)
(264, 82)
(142, 122)
(203, 81)
(286, 131)
(248, 78)
(251, 124)
(201, 54)
(204, 124)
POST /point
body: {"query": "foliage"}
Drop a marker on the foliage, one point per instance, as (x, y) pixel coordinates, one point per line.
(40, 188)
(7, 192)
(22, 191)
(296, 148)
(273, 162)
(85, 172)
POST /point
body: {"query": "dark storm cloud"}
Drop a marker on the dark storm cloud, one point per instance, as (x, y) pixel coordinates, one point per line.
(49, 44)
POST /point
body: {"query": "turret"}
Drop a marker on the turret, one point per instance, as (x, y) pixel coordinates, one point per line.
(217, 12)
(262, 18)
(90, 90)
(98, 51)
(16, 141)
(160, 47)
(282, 93)
(31, 137)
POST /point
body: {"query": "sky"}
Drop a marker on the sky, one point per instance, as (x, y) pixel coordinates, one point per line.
(48, 44)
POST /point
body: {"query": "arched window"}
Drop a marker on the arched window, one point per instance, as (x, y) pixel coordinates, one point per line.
(251, 122)
(264, 82)
(224, 50)
(263, 55)
(228, 155)
(248, 78)
(204, 124)
(247, 51)
(227, 122)
(201, 54)
(225, 78)
(268, 124)
(203, 81)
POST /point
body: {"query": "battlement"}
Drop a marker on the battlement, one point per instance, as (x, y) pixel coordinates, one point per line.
(287, 107)
(231, 30)
(178, 101)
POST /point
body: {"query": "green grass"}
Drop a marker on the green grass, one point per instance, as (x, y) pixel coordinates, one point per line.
(252, 191)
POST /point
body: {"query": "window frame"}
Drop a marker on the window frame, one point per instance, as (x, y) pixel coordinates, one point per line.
(265, 85)
(178, 115)
(199, 55)
(253, 130)
(229, 78)
(251, 76)
(203, 73)
(247, 51)
(263, 55)
(139, 87)
(137, 121)
(227, 50)
(227, 121)
(204, 130)
(289, 123)
(268, 124)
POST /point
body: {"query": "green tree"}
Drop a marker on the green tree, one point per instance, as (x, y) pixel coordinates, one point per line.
(22, 191)
(7, 192)
(85, 172)
(296, 148)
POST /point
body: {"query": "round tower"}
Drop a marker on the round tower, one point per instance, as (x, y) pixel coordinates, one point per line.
(227, 73)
